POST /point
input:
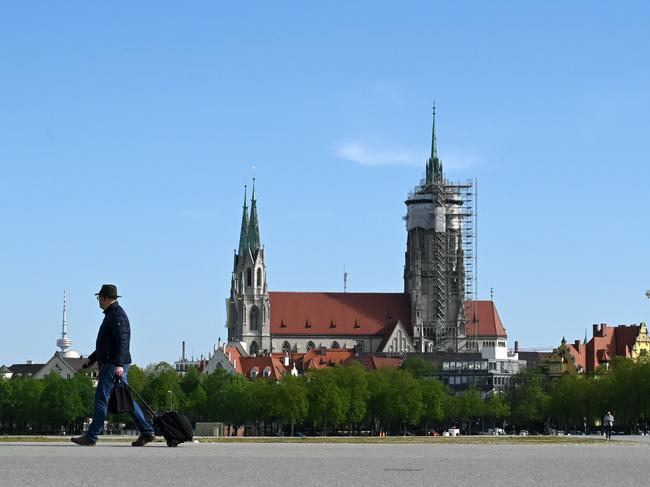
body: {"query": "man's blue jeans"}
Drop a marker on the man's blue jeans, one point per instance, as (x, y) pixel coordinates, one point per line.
(102, 394)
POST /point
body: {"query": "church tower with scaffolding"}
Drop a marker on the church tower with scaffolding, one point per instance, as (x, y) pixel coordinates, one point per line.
(439, 261)
(248, 305)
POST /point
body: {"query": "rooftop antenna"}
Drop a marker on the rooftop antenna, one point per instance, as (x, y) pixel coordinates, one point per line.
(491, 294)
(345, 280)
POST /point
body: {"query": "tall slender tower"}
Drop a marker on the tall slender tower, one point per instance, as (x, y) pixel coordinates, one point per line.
(64, 343)
(434, 273)
(249, 318)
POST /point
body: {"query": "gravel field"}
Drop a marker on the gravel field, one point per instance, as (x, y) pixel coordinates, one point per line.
(117, 464)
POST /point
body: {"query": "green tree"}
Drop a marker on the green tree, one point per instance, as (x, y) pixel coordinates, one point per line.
(496, 409)
(163, 391)
(6, 406)
(215, 385)
(418, 367)
(26, 401)
(405, 399)
(236, 408)
(378, 408)
(82, 387)
(451, 406)
(291, 396)
(137, 378)
(352, 379)
(470, 406)
(261, 403)
(561, 404)
(328, 404)
(529, 400)
(434, 394)
(191, 380)
(60, 403)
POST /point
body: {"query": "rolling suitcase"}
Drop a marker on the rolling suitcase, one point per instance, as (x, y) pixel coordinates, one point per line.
(173, 426)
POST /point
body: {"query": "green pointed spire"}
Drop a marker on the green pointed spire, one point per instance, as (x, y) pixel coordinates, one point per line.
(434, 166)
(434, 148)
(253, 225)
(243, 234)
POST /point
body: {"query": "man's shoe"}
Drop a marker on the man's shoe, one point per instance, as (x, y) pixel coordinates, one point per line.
(143, 440)
(83, 441)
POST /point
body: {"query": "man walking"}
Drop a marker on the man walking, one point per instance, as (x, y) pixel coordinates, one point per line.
(608, 422)
(113, 357)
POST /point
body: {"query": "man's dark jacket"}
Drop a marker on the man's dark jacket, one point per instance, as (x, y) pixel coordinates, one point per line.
(113, 338)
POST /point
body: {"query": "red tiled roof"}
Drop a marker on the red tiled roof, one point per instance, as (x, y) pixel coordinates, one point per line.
(370, 362)
(625, 337)
(579, 352)
(319, 359)
(235, 358)
(381, 362)
(261, 363)
(608, 342)
(483, 320)
(298, 313)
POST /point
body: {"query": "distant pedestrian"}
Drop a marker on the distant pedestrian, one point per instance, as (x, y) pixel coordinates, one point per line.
(608, 422)
(113, 357)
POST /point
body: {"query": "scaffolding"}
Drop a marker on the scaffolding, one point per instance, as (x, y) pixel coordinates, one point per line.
(466, 193)
(451, 260)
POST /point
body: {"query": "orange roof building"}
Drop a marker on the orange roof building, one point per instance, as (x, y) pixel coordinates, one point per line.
(607, 342)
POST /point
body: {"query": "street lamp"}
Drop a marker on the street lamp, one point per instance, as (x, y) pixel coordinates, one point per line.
(171, 400)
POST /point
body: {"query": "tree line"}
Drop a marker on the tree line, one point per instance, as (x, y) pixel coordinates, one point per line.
(343, 401)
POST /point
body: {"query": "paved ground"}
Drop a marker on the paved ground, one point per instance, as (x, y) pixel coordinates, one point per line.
(119, 464)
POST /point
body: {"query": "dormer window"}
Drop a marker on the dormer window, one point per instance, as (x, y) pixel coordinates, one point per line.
(254, 373)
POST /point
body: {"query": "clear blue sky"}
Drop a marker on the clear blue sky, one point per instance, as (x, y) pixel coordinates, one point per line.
(127, 132)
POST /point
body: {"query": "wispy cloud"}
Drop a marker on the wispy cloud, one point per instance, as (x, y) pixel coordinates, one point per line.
(376, 156)
(367, 155)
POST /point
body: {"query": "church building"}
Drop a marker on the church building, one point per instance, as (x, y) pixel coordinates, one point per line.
(431, 315)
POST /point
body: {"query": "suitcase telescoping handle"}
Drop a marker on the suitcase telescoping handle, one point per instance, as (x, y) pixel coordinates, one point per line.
(144, 403)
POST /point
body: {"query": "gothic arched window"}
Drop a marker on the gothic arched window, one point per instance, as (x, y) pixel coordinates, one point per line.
(255, 319)
(310, 345)
(249, 277)
(286, 347)
(258, 281)
(254, 348)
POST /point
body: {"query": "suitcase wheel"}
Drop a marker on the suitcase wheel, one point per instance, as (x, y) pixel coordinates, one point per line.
(172, 443)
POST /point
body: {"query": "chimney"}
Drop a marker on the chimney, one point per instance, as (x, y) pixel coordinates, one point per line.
(183, 355)
(516, 346)
(29, 362)
(576, 344)
(596, 329)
